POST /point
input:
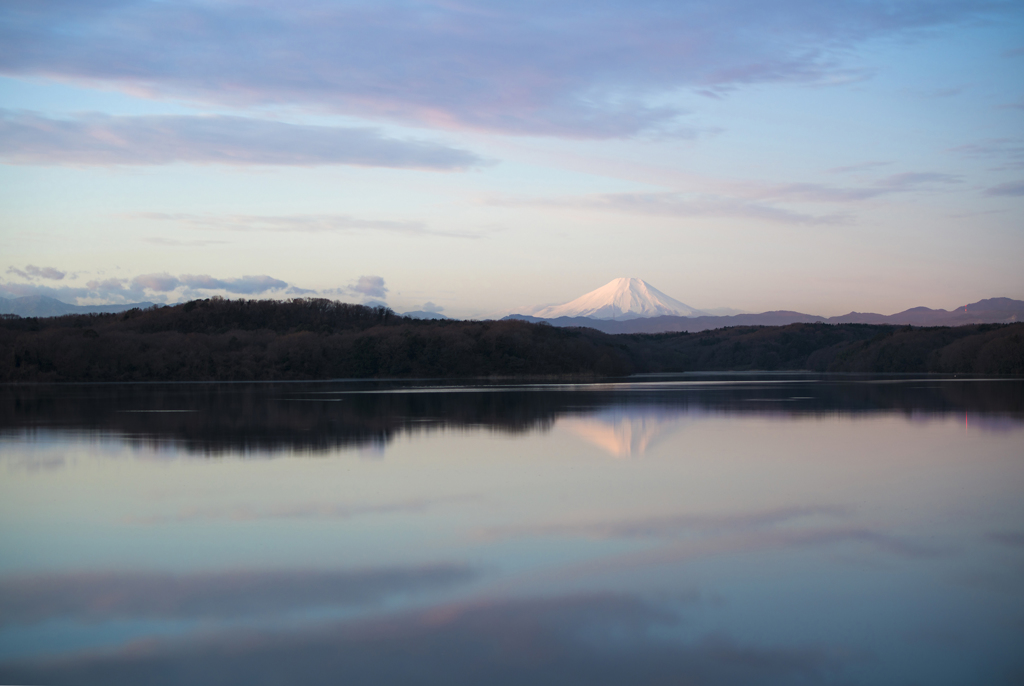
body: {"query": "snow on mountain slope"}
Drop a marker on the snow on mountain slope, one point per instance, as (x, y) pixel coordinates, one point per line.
(620, 299)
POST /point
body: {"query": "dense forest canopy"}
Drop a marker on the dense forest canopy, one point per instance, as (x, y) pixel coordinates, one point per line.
(312, 338)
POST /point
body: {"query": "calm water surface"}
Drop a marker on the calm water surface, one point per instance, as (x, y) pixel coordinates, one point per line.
(695, 529)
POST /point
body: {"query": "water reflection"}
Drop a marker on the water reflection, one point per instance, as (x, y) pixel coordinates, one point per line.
(623, 432)
(595, 639)
(623, 418)
(100, 597)
(698, 529)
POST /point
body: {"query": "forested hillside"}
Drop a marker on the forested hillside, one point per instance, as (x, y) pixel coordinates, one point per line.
(220, 339)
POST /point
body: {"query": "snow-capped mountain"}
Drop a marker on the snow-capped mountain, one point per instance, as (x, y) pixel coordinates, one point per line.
(623, 298)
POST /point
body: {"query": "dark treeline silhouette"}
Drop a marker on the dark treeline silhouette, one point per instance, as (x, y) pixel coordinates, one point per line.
(302, 339)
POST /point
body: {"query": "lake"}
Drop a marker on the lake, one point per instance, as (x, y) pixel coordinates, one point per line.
(687, 529)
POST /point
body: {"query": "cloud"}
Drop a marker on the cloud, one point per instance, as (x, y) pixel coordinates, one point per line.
(144, 287)
(1009, 152)
(574, 69)
(1012, 188)
(297, 223)
(110, 291)
(69, 294)
(857, 167)
(33, 272)
(246, 285)
(156, 282)
(370, 286)
(758, 201)
(171, 242)
(100, 139)
(914, 180)
(946, 92)
(159, 287)
(118, 289)
(677, 205)
(906, 182)
(431, 307)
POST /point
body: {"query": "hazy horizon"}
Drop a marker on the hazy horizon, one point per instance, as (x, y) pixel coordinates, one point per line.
(431, 309)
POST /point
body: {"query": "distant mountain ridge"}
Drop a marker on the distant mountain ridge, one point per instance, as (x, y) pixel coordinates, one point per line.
(43, 306)
(620, 299)
(988, 311)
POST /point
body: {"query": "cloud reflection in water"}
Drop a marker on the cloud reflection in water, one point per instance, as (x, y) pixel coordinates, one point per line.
(592, 639)
(99, 597)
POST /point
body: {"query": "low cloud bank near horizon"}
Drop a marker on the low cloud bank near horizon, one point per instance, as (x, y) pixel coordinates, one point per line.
(369, 287)
(164, 288)
(145, 287)
(372, 286)
(29, 138)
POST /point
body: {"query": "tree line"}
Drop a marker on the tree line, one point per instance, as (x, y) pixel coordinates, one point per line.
(312, 338)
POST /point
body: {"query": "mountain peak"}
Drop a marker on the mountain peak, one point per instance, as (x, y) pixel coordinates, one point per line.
(622, 298)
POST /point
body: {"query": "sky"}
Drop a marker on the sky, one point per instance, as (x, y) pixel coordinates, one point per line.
(480, 158)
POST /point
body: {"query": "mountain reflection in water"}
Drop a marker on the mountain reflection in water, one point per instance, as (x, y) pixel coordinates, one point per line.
(694, 529)
(625, 432)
